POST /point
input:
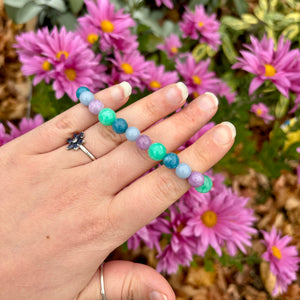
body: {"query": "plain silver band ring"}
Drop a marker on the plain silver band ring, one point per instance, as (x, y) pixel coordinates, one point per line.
(102, 291)
(87, 152)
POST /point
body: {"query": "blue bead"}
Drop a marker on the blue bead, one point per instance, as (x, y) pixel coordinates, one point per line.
(119, 125)
(171, 160)
(80, 90)
(132, 133)
(86, 97)
(183, 170)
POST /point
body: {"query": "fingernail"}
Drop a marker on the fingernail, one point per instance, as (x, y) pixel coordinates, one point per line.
(127, 89)
(173, 96)
(208, 103)
(157, 296)
(224, 133)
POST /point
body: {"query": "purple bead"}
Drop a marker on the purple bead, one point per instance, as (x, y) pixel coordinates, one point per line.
(143, 142)
(95, 107)
(196, 179)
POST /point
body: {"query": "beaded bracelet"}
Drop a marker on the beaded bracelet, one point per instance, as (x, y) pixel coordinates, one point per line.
(156, 151)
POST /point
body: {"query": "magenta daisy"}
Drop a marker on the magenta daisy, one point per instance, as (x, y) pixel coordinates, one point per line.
(283, 259)
(298, 168)
(171, 45)
(262, 111)
(167, 3)
(267, 63)
(221, 219)
(224, 90)
(132, 68)
(159, 77)
(110, 25)
(196, 76)
(181, 248)
(198, 24)
(88, 32)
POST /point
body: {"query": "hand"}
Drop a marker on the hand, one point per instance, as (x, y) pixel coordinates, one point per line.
(61, 214)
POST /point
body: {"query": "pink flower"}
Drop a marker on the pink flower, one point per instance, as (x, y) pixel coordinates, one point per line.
(159, 77)
(111, 26)
(25, 125)
(171, 45)
(219, 219)
(224, 90)
(167, 3)
(283, 259)
(267, 63)
(197, 76)
(298, 168)
(132, 68)
(200, 25)
(262, 111)
(181, 248)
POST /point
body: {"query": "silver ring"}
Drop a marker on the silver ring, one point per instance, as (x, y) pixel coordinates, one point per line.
(102, 291)
(77, 142)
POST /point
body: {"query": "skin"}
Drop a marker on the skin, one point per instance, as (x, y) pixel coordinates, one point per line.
(62, 214)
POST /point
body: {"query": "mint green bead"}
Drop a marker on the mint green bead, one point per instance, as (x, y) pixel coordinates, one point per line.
(106, 116)
(157, 151)
(206, 186)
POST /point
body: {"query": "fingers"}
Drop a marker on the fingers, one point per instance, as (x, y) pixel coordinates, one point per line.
(141, 114)
(54, 133)
(128, 162)
(127, 280)
(150, 195)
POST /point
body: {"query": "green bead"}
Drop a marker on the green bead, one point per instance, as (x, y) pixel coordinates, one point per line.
(206, 186)
(106, 116)
(157, 151)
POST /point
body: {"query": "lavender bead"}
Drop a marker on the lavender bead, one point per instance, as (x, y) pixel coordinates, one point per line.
(143, 142)
(95, 107)
(196, 179)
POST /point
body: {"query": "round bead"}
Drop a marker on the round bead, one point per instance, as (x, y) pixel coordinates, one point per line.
(171, 160)
(106, 116)
(119, 125)
(95, 107)
(143, 142)
(157, 151)
(86, 97)
(183, 170)
(132, 133)
(80, 90)
(206, 186)
(196, 179)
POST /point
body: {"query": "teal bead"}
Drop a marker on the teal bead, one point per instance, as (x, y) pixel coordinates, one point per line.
(107, 116)
(157, 151)
(206, 186)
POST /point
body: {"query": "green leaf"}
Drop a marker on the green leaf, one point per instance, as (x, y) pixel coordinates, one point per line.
(241, 6)
(264, 6)
(273, 4)
(76, 5)
(209, 265)
(228, 48)
(249, 19)
(68, 20)
(16, 3)
(56, 4)
(234, 23)
(291, 31)
(26, 13)
(259, 13)
(292, 17)
(199, 52)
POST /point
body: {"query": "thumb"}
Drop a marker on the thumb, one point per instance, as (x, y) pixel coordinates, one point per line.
(127, 280)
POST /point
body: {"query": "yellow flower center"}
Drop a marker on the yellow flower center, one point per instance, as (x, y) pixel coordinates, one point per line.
(180, 227)
(60, 53)
(196, 79)
(174, 50)
(71, 74)
(46, 65)
(209, 218)
(107, 26)
(200, 24)
(276, 252)
(195, 94)
(155, 84)
(92, 38)
(259, 112)
(270, 71)
(128, 69)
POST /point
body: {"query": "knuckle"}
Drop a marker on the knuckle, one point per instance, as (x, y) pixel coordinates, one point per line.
(198, 153)
(167, 187)
(128, 285)
(64, 123)
(152, 109)
(109, 135)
